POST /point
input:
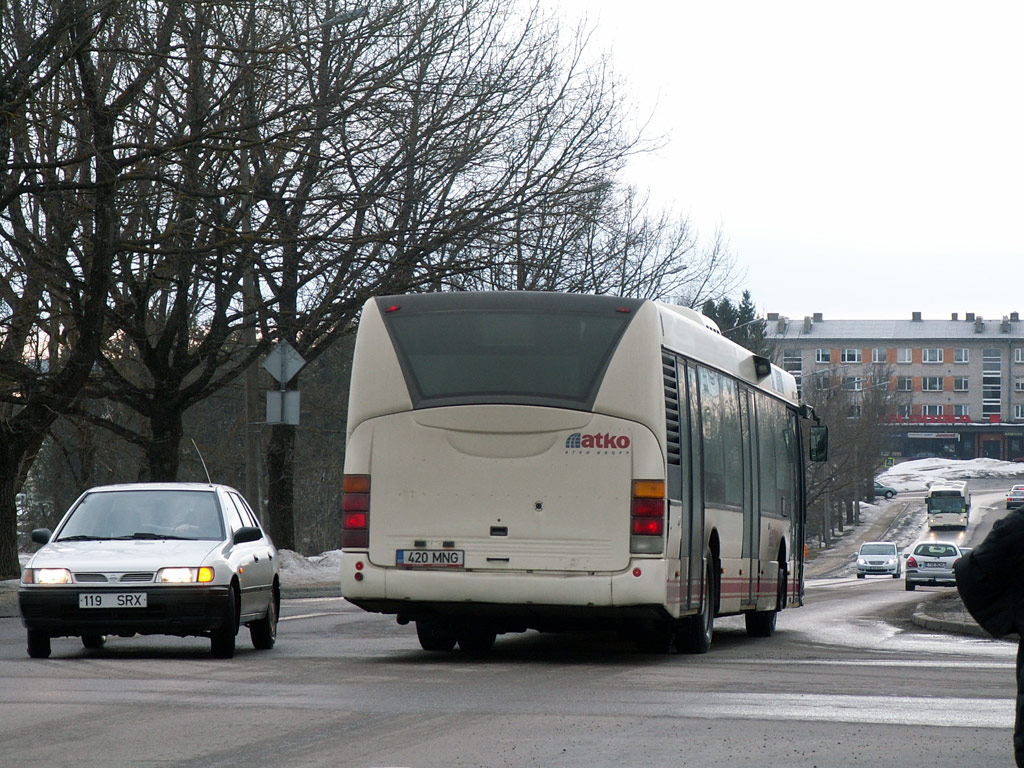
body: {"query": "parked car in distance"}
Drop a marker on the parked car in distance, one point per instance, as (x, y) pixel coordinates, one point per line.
(152, 559)
(878, 558)
(884, 490)
(931, 563)
(1015, 497)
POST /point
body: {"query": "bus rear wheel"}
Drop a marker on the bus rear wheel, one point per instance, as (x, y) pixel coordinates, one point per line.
(695, 632)
(475, 640)
(435, 635)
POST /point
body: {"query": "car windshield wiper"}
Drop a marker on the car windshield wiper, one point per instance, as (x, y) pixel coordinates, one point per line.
(84, 537)
(151, 535)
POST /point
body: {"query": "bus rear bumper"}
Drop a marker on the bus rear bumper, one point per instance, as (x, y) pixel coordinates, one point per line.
(394, 590)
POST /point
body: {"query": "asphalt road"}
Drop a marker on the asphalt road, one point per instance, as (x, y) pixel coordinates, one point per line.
(848, 680)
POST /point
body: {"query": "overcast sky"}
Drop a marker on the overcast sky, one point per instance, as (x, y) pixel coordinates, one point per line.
(863, 159)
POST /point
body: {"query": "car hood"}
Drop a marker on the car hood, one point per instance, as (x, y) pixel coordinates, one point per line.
(134, 555)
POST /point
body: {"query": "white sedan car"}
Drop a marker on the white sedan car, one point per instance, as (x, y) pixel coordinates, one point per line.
(153, 559)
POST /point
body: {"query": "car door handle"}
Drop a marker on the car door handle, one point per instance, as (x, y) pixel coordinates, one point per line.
(255, 558)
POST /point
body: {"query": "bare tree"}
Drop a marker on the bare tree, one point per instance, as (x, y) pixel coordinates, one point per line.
(433, 128)
(60, 165)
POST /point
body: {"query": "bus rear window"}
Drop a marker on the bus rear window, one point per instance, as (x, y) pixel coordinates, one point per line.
(472, 355)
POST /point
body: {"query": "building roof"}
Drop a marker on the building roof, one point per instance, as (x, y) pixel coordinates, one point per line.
(816, 327)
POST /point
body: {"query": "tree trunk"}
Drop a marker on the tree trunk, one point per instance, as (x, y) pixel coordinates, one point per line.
(163, 452)
(280, 485)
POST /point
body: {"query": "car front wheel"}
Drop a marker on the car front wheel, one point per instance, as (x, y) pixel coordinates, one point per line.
(264, 631)
(222, 639)
(38, 644)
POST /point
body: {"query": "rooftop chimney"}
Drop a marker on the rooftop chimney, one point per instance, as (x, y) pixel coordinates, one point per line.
(979, 325)
(807, 324)
(1004, 327)
(969, 317)
(1014, 317)
(818, 317)
(915, 317)
(953, 316)
(773, 316)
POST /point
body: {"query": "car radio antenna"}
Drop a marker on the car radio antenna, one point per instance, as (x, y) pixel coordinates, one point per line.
(201, 460)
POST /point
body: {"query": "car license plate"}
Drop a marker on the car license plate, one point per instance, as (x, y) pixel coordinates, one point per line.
(113, 600)
(934, 565)
(430, 558)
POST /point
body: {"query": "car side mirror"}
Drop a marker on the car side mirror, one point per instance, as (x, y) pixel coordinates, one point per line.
(819, 443)
(41, 535)
(247, 534)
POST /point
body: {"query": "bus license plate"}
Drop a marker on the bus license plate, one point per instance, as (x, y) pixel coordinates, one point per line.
(112, 600)
(430, 558)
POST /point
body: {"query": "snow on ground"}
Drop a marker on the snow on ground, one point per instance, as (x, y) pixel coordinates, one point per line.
(316, 569)
(921, 474)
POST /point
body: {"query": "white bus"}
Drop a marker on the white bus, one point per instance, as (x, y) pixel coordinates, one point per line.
(948, 504)
(561, 462)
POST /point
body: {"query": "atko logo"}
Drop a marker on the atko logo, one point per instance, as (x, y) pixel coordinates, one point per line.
(599, 443)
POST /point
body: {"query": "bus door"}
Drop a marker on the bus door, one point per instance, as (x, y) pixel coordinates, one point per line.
(751, 527)
(695, 554)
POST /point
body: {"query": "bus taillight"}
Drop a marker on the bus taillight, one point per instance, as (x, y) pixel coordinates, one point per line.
(355, 511)
(647, 517)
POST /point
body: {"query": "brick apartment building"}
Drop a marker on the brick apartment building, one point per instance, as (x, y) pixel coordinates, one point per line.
(964, 378)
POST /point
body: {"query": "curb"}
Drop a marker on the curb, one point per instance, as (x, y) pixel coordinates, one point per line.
(947, 625)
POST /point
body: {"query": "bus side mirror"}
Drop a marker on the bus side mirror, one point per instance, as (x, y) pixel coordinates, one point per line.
(819, 443)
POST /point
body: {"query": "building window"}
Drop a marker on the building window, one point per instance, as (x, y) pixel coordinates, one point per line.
(961, 356)
(1018, 411)
(850, 356)
(931, 410)
(879, 381)
(792, 360)
(904, 383)
(877, 355)
(959, 383)
(904, 356)
(853, 383)
(962, 410)
(931, 384)
(903, 411)
(1018, 355)
(931, 355)
(854, 412)
(823, 356)
(1018, 383)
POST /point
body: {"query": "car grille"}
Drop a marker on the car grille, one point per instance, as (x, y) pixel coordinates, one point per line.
(139, 577)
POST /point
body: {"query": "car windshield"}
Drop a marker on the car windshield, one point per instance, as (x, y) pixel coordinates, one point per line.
(936, 550)
(878, 549)
(149, 514)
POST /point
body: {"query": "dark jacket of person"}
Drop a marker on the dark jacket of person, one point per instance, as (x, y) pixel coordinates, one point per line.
(990, 576)
(990, 580)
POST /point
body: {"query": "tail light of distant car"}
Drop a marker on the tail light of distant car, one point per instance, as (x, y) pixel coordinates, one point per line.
(911, 562)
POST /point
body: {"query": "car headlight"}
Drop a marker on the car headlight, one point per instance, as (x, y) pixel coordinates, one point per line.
(861, 561)
(46, 576)
(203, 575)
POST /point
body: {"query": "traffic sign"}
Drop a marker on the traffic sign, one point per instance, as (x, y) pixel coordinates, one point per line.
(283, 362)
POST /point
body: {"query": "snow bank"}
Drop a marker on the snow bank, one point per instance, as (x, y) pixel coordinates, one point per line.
(921, 474)
(324, 568)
